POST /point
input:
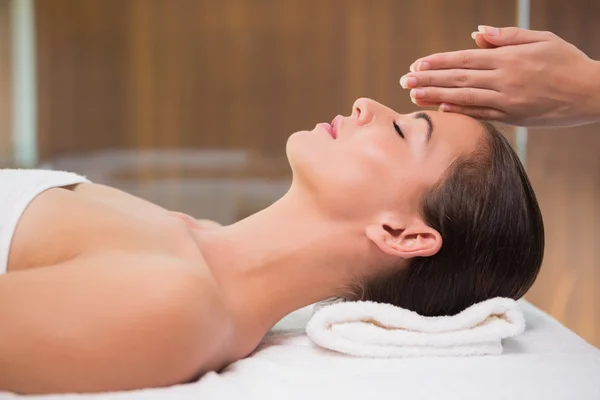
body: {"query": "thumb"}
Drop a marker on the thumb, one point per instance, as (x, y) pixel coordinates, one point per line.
(481, 41)
(511, 35)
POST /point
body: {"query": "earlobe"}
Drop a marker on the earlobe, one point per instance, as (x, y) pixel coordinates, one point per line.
(419, 240)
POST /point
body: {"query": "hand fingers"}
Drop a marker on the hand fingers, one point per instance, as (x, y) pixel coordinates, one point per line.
(481, 58)
(513, 35)
(458, 96)
(422, 103)
(481, 42)
(474, 112)
(464, 59)
(451, 78)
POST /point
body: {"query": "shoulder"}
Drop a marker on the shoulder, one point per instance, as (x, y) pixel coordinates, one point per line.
(181, 304)
(137, 320)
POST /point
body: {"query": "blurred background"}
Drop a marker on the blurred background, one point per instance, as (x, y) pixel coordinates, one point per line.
(189, 103)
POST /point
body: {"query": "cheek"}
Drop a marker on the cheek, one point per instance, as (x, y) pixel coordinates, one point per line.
(377, 162)
(352, 179)
(369, 170)
(364, 178)
(384, 176)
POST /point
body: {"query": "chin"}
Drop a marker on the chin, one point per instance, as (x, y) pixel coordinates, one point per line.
(294, 153)
(302, 157)
(309, 155)
(298, 149)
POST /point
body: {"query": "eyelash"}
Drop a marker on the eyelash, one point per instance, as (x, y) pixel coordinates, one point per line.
(397, 128)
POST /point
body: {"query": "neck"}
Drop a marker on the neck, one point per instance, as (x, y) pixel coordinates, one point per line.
(282, 258)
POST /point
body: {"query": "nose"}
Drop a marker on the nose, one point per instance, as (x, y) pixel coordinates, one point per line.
(364, 110)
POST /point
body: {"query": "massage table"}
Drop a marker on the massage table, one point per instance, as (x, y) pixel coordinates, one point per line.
(547, 362)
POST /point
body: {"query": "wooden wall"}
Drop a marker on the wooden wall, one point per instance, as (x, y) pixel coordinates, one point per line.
(564, 166)
(5, 85)
(230, 73)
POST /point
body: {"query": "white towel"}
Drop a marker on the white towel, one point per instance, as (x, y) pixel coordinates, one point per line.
(369, 329)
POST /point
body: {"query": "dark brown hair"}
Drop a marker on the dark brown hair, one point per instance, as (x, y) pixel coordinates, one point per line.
(492, 230)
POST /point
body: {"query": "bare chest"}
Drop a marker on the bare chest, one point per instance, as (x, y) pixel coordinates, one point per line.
(60, 224)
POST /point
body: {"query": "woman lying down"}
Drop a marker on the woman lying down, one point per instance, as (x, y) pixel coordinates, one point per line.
(104, 291)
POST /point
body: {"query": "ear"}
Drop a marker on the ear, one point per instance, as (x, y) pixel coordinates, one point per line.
(414, 240)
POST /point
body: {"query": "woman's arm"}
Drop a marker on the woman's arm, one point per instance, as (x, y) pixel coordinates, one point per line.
(111, 322)
(520, 77)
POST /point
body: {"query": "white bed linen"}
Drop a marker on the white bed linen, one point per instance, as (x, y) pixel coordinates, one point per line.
(546, 362)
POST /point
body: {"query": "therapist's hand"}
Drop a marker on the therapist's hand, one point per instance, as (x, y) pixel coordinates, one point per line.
(519, 76)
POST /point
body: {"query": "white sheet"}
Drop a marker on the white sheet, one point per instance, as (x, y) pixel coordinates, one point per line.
(546, 362)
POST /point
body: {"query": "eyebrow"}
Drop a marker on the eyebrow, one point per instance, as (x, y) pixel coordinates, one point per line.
(422, 115)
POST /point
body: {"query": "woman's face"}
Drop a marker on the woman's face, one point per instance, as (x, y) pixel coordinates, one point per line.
(361, 166)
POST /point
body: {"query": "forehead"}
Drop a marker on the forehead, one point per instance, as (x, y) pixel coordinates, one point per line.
(454, 136)
(456, 133)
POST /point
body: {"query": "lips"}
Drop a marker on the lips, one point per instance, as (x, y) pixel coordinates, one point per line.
(335, 124)
(328, 128)
(332, 128)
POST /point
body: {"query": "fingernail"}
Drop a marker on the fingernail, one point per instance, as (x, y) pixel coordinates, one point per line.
(488, 30)
(423, 66)
(412, 67)
(444, 107)
(408, 82)
(474, 35)
(417, 93)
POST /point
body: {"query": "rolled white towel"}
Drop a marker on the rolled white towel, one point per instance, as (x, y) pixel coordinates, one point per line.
(368, 329)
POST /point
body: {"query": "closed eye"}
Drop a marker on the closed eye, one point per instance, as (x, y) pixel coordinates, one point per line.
(397, 128)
